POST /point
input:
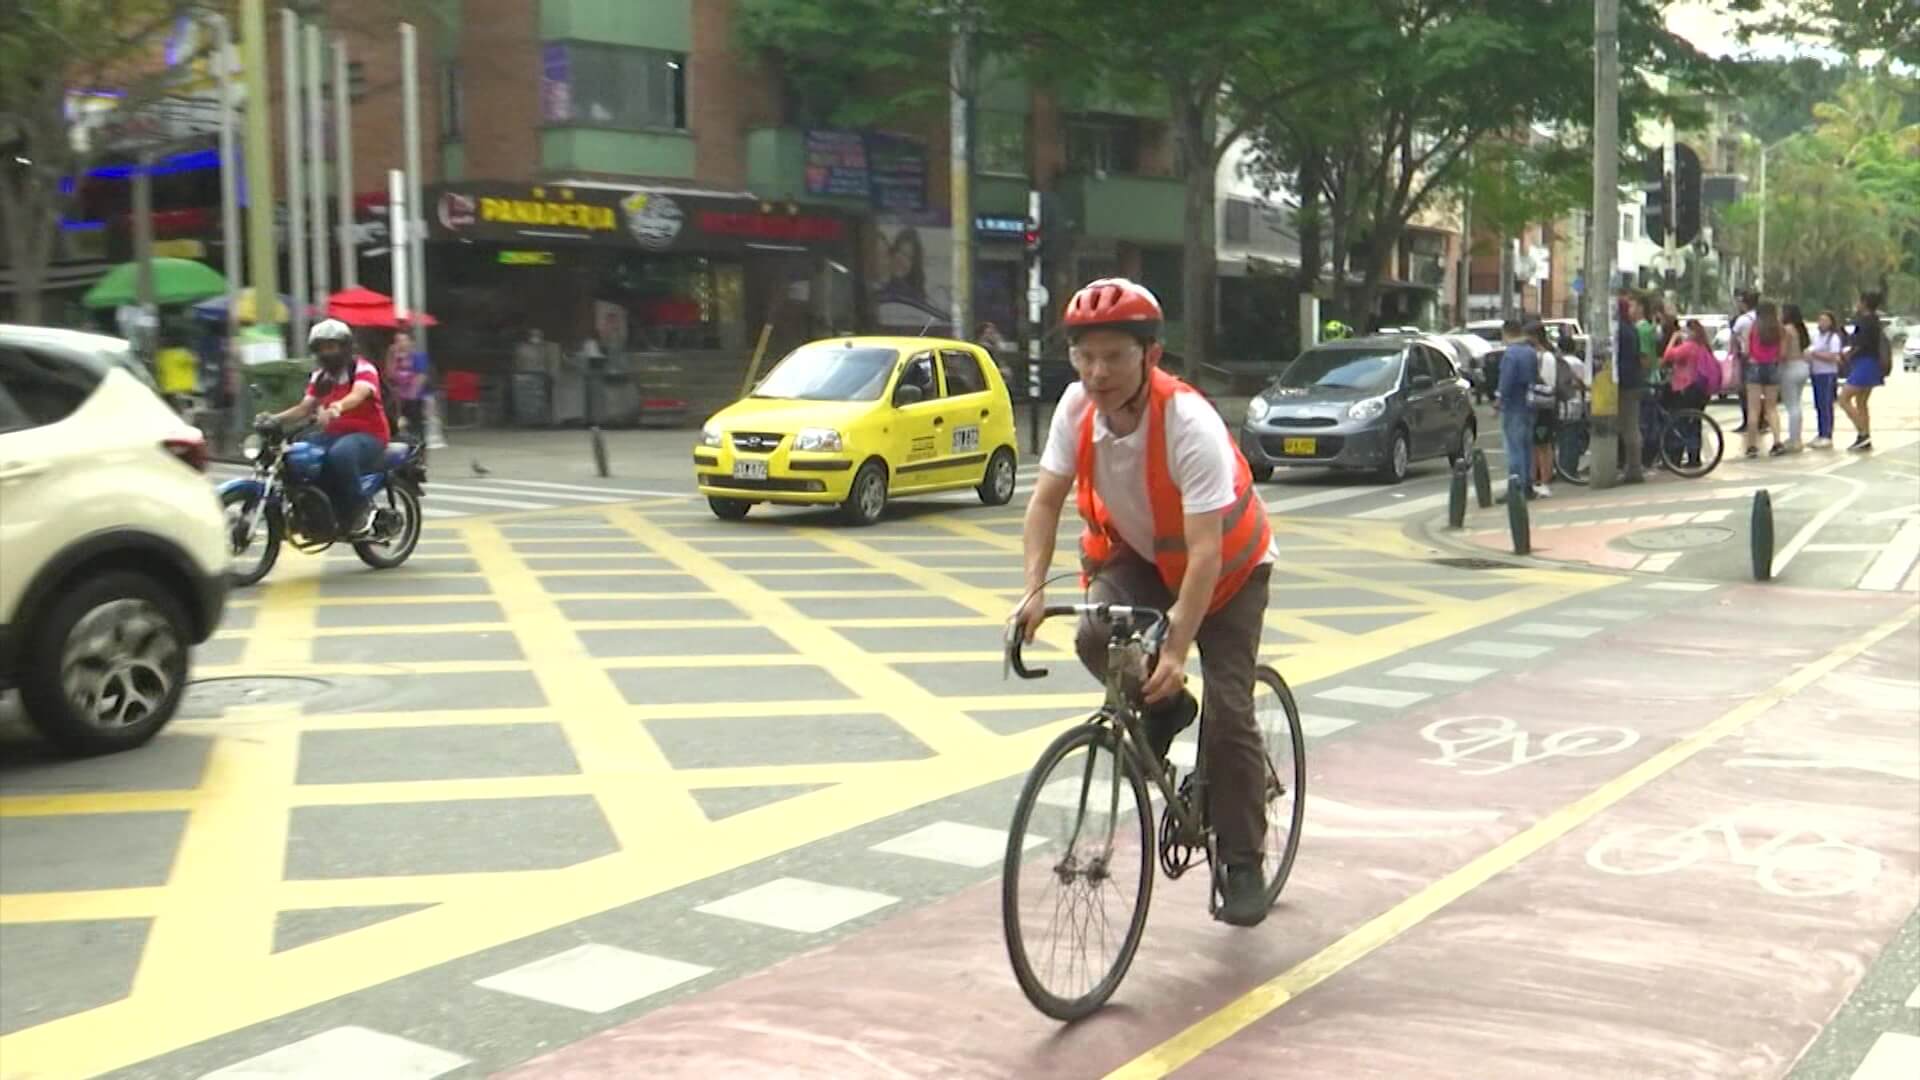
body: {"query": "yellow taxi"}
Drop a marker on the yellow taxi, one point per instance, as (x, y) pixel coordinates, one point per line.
(852, 422)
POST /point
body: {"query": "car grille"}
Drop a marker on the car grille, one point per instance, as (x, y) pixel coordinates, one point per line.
(1325, 446)
(721, 480)
(1302, 421)
(756, 442)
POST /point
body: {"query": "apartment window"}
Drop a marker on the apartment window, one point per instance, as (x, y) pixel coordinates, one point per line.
(1001, 142)
(613, 86)
(452, 102)
(1101, 148)
(1629, 228)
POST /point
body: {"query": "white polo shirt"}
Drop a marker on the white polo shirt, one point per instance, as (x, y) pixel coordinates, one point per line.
(1200, 459)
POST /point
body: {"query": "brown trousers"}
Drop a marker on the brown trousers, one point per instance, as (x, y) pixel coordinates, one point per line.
(1229, 642)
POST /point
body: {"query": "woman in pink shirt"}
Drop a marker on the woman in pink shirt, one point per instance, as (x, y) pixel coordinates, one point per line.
(1695, 379)
(1764, 353)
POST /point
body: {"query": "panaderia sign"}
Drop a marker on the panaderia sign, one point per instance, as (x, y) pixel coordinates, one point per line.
(532, 216)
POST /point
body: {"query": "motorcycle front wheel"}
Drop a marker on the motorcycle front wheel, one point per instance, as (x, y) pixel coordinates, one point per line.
(400, 539)
(253, 555)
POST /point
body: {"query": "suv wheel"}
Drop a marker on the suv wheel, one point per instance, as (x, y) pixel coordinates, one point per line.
(107, 664)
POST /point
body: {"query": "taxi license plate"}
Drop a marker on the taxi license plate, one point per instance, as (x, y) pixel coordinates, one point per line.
(749, 470)
(1302, 447)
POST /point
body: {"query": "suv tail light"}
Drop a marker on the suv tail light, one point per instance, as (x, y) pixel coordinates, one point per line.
(190, 449)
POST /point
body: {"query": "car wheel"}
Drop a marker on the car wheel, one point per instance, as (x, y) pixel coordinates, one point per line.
(107, 664)
(728, 509)
(996, 486)
(1261, 473)
(867, 499)
(1468, 436)
(1399, 457)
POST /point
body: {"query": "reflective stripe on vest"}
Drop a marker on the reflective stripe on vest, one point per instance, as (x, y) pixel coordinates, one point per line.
(1244, 532)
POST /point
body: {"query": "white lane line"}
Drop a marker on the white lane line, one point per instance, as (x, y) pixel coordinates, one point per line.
(959, 844)
(1895, 1056)
(1405, 509)
(347, 1051)
(1896, 513)
(1913, 999)
(593, 978)
(1820, 521)
(1314, 727)
(1554, 630)
(1682, 586)
(1506, 650)
(479, 500)
(1885, 573)
(1658, 564)
(1708, 517)
(641, 492)
(1455, 673)
(1609, 614)
(806, 907)
(436, 512)
(1845, 547)
(1367, 695)
(564, 496)
(1316, 498)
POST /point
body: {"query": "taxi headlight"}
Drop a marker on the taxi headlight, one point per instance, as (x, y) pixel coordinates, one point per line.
(709, 436)
(1257, 410)
(817, 439)
(250, 447)
(1368, 409)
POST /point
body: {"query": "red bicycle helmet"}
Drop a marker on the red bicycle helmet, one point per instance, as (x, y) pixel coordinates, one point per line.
(1114, 304)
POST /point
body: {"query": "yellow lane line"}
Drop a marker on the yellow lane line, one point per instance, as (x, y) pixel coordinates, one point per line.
(1263, 1000)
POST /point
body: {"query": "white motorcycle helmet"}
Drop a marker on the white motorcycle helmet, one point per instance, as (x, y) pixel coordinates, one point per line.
(334, 331)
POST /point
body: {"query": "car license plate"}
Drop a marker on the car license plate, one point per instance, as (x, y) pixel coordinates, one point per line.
(1303, 447)
(749, 470)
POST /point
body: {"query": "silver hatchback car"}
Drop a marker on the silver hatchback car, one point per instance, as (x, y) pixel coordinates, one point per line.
(1379, 403)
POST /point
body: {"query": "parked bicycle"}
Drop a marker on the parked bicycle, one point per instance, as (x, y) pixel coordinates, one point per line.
(1086, 808)
(1686, 442)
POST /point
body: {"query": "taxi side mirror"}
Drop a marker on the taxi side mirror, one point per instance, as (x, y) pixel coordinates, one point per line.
(906, 394)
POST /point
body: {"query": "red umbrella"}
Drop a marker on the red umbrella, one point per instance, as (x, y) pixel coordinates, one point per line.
(360, 306)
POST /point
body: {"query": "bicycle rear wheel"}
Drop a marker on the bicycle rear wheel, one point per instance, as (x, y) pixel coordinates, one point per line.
(1286, 797)
(1573, 451)
(1691, 443)
(1085, 804)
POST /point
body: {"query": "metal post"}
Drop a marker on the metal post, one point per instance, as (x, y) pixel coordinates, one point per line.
(234, 260)
(296, 179)
(343, 159)
(1466, 251)
(416, 221)
(961, 119)
(143, 255)
(1036, 322)
(1606, 239)
(1760, 256)
(1671, 211)
(1506, 276)
(259, 150)
(317, 165)
(399, 227)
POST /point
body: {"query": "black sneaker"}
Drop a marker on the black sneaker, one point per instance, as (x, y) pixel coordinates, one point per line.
(1246, 896)
(1170, 718)
(1863, 444)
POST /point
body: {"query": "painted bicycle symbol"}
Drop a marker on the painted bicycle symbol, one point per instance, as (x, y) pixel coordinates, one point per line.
(1801, 863)
(1485, 745)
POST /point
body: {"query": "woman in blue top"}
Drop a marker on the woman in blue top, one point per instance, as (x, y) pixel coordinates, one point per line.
(1863, 369)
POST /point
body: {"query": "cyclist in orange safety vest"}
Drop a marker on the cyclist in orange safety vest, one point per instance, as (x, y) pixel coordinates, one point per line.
(1173, 522)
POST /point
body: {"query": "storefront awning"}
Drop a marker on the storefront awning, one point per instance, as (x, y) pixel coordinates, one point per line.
(649, 219)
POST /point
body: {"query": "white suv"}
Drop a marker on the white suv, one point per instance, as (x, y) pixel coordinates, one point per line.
(113, 550)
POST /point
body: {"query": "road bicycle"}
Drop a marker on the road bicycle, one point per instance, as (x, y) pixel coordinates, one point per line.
(1083, 829)
(1687, 442)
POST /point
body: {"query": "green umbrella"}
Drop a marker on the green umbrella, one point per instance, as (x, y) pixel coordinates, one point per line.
(175, 281)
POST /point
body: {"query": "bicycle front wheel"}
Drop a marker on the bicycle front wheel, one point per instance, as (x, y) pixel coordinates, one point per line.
(1278, 718)
(1691, 444)
(1078, 873)
(1573, 451)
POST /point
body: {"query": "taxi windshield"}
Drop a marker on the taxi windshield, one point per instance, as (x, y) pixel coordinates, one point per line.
(830, 372)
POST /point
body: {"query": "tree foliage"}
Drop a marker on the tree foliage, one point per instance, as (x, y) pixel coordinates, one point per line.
(848, 62)
(1887, 27)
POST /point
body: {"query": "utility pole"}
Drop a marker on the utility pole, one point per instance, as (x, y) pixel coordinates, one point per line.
(233, 256)
(1036, 314)
(1466, 251)
(1760, 256)
(960, 120)
(400, 223)
(1506, 276)
(296, 177)
(143, 255)
(343, 158)
(260, 246)
(317, 166)
(416, 216)
(1606, 238)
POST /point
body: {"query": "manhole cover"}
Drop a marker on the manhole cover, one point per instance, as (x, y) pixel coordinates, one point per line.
(1470, 563)
(252, 690)
(1679, 538)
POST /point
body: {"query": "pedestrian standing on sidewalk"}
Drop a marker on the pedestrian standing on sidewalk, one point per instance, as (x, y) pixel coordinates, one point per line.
(1633, 386)
(1864, 368)
(1829, 349)
(1517, 366)
(1795, 371)
(1694, 376)
(1546, 409)
(1765, 347)
(1738, 338)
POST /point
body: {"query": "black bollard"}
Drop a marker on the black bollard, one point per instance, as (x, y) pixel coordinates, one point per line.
(1457, 497)
(1482, 483)
(599, 451)
(1517, 516)
(1762, 533)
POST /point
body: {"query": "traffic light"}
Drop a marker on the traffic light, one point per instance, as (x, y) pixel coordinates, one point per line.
(1033, 237)
(1688, 185)
(1654, 183)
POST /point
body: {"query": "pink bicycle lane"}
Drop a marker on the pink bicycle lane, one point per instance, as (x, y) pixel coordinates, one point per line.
(1551, 967)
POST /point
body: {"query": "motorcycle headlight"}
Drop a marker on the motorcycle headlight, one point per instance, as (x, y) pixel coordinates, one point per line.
(1368, 409)
(250, 447)
(709, 436)
(1257, 410)
(817, 439)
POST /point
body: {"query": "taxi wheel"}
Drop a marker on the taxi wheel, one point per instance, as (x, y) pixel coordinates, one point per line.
(728, 509)
(867, 499)
(996, 487)
(1262, 473)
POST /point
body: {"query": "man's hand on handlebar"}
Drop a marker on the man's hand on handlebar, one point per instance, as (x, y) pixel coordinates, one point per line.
(1169, 675)
(1029, 613)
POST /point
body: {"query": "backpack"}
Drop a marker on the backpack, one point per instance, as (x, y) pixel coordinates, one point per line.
(1566, 384)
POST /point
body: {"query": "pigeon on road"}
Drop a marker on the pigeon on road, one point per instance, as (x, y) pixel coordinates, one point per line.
(481, 470)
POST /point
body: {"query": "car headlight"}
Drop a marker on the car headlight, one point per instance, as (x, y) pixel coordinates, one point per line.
(814, 438)
(1368, 409)
(250, 447)
(709, 436)
(1257, 410)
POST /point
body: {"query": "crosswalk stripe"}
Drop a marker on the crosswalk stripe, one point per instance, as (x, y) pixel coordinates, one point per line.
(477, 500)
(1885, 573)
(1405, 509)
(1301, 502)
(567, 496)
(638, 492)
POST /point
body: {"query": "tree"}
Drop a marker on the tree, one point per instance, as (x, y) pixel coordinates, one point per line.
(1888, 27)
(1777, 96)
(805, 43)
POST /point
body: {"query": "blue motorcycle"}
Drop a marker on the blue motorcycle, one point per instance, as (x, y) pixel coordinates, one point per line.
(285, 501)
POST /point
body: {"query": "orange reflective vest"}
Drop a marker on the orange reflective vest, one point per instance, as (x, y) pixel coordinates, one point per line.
(1245, 534)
